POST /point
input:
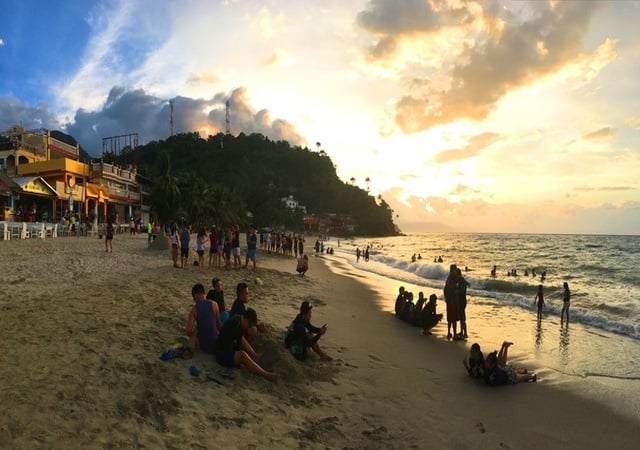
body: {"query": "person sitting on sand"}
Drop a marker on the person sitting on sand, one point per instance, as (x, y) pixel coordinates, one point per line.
(233, 350)
(217, 295)
(475, 362)
(428, 318)
(301, 335)
(303, 265)
(203, 324)
(239, 307)
(409, 311)
(400, 300)
(498, 372)
(420, 303)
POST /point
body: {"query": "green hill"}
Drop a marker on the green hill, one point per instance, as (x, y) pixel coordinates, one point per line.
(243, 179)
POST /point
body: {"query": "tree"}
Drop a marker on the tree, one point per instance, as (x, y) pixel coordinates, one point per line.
(165, 196)
(352, 180)
(367, 180)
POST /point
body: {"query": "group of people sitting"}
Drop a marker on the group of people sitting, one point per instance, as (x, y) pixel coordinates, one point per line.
(494, 368)
(228, 334)
(422, 314)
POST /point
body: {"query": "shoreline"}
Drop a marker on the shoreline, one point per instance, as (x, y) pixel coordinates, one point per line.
(83, 331)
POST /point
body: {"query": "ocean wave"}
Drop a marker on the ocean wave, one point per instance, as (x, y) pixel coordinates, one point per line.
(599, 296)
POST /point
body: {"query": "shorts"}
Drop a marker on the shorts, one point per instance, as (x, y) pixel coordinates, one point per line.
(213, 250)
(109, 237)
(201, 252)
(226, 359)
(462, 313)
(219, 248)
(236, 251)
(184, 252)
(511, 374)
(251, 254)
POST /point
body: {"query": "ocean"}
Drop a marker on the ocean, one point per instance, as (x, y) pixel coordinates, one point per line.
(600, 343)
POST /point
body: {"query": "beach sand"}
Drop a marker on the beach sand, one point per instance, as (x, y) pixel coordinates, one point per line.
(82, 332)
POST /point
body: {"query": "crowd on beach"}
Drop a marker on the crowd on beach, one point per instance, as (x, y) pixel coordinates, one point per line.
(228, 334)
(494, 369)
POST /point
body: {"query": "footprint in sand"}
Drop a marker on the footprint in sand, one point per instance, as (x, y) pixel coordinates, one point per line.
(480, 427)
(375, 358)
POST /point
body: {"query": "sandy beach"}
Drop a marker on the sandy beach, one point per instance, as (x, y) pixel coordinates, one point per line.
(83, 330)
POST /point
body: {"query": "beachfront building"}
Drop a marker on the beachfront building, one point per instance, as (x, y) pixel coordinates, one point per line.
(44, 164)
(121, 184)
(291, 203)
(46, 181)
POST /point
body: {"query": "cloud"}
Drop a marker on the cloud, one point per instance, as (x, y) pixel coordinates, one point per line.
(199, 78)
(602, 133)
(473, 148)
(633, 122)
(243, 118)
(137, 111)
(15, 112)
(496, 51)
(605, 188)
(278, 58)
(267, 24)
(1, 42)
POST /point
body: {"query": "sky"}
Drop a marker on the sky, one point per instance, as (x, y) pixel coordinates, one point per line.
(472, 116)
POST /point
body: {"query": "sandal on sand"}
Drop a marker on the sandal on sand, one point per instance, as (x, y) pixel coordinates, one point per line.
(227, 373)
(169, 354)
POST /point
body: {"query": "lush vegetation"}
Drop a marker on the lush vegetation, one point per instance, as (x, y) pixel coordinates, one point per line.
(243, 179)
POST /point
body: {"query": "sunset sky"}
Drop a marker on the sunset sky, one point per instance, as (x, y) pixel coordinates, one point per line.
(486, 116)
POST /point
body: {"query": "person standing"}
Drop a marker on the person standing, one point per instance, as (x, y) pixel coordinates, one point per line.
(185, 238)
(174, 244)
(461, 296)
(451, 300)
(235, 247)
(108, 239)
(252, 248)
(213, 248)
(566, 302)
(201, 241)
(539, 300)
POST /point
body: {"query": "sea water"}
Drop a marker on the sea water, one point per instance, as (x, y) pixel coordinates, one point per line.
(601, 341)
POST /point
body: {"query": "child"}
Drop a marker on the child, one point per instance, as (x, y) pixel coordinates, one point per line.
(498, 372)
(540, 300)
(475, 363)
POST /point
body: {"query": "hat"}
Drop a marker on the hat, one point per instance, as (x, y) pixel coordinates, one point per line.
(305, 307)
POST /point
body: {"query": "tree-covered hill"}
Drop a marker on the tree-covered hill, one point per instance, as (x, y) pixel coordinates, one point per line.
(243, 179)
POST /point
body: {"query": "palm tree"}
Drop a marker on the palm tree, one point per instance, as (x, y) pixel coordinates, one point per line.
(318, 145)
(165, 196)
(352, 180)
(367, 180)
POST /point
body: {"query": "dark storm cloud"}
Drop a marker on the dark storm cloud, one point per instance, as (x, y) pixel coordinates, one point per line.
(136, 111)
(15, 112)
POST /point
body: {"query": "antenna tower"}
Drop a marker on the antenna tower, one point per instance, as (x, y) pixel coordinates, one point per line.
(226, 117)
(171, 118)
